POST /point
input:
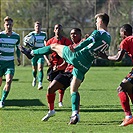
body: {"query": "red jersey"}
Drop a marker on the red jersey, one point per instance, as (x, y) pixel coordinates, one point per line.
(54, 58)
(127, 44)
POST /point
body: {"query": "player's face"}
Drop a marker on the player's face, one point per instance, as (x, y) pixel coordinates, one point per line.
(98, 23)
(122, 33)
(58, 30)
(75, 36)
(37, 28)
(8, 26)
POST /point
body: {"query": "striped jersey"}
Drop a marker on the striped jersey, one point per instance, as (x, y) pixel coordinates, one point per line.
(39, 39)
(7, 45)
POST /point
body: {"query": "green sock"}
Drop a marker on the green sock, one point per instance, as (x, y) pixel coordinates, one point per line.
(34, 73)
(4, 95)
(75, 99)
(40, 76)
(43, 51)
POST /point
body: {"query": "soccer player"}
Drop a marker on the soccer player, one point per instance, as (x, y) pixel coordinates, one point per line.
(80, 57)
(125, 89)
(38, 61)
(62, 80)
(8, 41)
(56, 63)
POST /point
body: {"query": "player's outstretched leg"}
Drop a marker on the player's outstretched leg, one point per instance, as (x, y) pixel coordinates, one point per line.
(27, 52)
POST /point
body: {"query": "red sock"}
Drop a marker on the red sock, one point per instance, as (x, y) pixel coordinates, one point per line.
(51, 99)
(131, 97)
(125, 103)
(61, 95)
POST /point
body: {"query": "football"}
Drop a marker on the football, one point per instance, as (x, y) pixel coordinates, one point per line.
(29, 41)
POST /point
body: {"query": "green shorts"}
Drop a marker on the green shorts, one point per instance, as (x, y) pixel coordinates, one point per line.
(7, 67)
(38, 59)
(81, 65)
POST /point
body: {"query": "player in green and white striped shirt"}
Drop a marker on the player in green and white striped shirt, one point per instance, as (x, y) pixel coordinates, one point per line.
(8, 41)
(38, 61)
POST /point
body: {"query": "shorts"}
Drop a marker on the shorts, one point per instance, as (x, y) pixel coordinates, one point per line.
(81, 66)
(64, 78)
(130, 75)
(38, 59)
(7, 67)
(127, 86)
(52, 74)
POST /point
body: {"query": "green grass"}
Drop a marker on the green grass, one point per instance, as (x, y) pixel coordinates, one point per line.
(100, 108)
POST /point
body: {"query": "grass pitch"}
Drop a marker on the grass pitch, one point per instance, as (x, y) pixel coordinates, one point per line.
(100, 110)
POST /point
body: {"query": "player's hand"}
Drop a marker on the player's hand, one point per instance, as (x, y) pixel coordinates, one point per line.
(49, 64)
(19, 62)
(71, 48)
(55, 68)
(102, 55)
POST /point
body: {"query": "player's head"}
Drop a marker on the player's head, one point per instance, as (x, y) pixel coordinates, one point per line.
(58, 29)
(8, 24)
(37, 26)
(102, 20)
(125, 31)
(75, 35)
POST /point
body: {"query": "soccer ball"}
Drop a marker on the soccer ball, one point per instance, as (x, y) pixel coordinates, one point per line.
(29, 41)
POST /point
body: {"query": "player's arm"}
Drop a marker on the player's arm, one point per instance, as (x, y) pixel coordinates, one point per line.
(18, 51)
(18, 55)
(117, 57)
(47, 60)
(84, 43)
(46, 57)
(95, 35)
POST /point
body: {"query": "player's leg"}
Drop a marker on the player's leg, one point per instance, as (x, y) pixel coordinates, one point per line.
(58, 49)
(9, 73)
(34, 70)
(0, 81)
(65, 79)
(75, 99)
(130, 89)
(40, 72)
(48, 49)
(61, 95)
(131, 96)
(124, 100)
(53, 87)
(6, 89)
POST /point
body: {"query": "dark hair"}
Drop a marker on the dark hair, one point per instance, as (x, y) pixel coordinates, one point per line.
(104, 17)
(127, 28)
(7, 18)
(37, 22)
(77, 30)
(59, 25)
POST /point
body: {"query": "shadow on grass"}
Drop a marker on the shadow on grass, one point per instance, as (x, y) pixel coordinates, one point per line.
(37, 102)
(104, 123)
(12, 80)
(23, 102)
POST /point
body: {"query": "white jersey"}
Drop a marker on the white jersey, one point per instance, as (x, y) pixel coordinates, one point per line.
(7, 45)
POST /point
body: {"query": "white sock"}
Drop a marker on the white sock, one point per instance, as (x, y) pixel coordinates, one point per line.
(74, 112)
(127, 117)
